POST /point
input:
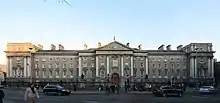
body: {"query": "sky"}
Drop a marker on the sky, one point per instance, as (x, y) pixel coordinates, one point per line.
(150, 23)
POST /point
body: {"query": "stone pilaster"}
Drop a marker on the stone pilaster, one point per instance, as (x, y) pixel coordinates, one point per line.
(122, 66)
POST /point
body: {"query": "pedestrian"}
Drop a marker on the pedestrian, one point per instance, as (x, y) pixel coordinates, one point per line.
(2, 95)
(74, 87)
(31, 94)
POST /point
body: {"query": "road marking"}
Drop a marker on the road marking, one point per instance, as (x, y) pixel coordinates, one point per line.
(91, 101)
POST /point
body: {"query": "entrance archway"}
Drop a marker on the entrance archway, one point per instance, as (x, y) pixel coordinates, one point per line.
(115, 79)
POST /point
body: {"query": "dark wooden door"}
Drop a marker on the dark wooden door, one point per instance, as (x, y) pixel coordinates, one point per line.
(115, 78)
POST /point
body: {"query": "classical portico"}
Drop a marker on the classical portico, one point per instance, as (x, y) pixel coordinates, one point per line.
(201, 65)
(116, 58)
(18, 65)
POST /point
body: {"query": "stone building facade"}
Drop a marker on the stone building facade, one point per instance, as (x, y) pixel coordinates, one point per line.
(193, 62)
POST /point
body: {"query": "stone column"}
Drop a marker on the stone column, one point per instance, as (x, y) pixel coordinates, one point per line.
(7, 67)
(80, 66)
(10, 67)
(146, 65)
(28, 63)
(97, 66)
(25, 67)
(132, 67)
(195, 69)
(107, 64)
(122, 66)
(212, 68)
(209, 67)
(192, 67)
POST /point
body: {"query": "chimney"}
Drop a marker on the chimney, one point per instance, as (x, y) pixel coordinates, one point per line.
(179, 47)
(52, 47)
(168, 47)
(40, 47)
(161, 47)
(61, 47)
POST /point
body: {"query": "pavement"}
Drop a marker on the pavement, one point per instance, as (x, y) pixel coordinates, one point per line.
(17, 95)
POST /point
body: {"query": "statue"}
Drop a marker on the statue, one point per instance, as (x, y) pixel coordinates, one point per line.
(139, 46)
(114, 38)
(99, 45)
(127, 44)
(85, 46)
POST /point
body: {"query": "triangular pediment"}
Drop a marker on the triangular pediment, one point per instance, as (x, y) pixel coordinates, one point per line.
(115, 46)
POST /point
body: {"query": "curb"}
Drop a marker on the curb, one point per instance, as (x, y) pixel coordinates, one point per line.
(140, 93)
(83, 93)
(75, 93)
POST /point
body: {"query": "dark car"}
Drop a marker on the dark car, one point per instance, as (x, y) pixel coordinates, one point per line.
(56, 89)
(165, 91)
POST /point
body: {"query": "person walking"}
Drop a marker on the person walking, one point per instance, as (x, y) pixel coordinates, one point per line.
(2, 95)
(31, 94)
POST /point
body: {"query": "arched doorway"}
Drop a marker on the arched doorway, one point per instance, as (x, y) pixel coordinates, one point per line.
(115, 78)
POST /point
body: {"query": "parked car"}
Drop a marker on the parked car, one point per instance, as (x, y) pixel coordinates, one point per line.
(56, 89)
(207, 89)
(165, 91)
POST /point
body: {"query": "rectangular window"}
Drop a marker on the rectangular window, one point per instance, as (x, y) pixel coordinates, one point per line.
(64, 73)
(50, 73)
(14, 72)
(36, 66)
(43, 65)
(178, 72)
(22, 73)
(115, 63)
(71, 65)
(71, 73)
(142, 64)
(44, 74)
(172, 65)
(37, 74)
(165, 65)
(84, 64)
(177, 65)
(159, 65)
(159, 72)
(165, 72)
(57, 74)
(64, 65)
(50, 65)
(57, 65)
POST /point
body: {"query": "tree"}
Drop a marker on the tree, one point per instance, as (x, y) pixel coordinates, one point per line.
(62, 1)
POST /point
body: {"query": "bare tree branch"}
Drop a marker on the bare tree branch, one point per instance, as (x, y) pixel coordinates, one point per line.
(66, 2)
(62, 1)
